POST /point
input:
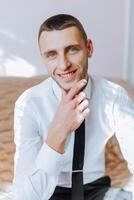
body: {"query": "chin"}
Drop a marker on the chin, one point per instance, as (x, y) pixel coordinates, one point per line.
(68, 86)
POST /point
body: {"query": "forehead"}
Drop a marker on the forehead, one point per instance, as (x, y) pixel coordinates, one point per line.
(60, 38)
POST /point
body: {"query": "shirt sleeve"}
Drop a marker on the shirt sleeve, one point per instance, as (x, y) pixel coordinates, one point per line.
(37, 166)
(124, 126)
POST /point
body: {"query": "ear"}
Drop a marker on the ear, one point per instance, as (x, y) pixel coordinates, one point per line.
(89, 48)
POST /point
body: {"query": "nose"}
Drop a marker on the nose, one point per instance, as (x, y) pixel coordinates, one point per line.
(64, 63)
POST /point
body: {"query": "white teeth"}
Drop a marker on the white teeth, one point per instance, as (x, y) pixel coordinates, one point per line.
(67, 75)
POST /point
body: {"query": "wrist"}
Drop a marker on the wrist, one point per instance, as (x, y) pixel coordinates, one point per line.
(56, 140)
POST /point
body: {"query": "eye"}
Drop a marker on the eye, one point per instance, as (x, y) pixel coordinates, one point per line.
(51, 55)
(73, 49)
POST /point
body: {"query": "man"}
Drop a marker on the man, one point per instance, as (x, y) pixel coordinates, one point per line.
(62, 125)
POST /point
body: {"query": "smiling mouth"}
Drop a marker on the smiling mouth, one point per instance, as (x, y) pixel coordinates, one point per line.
(68, 75)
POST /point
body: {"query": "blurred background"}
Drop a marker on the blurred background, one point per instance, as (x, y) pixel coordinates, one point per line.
(108, 23)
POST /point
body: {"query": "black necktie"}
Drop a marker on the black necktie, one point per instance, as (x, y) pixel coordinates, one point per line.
(78, 161)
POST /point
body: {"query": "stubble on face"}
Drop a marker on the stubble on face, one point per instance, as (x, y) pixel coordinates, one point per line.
(83, 75)
(67, 37)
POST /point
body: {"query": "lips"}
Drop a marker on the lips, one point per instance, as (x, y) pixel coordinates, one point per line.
(68, 76)
(68, 73)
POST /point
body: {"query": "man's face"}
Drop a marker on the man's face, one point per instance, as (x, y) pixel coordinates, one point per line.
(65, 55)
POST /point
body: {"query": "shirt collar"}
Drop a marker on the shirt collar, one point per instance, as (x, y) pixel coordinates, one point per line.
(58, 91)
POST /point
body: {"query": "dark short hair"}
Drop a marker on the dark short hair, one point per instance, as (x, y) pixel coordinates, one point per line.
(60, 22)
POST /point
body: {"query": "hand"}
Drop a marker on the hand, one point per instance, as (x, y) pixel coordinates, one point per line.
(72, 110)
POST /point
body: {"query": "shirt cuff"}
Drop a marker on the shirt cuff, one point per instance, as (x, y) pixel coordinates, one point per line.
(49, 160)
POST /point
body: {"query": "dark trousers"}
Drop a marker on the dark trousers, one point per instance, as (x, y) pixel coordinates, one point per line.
(92, 191)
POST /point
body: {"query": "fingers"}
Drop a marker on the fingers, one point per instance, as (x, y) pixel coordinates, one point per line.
(80, 97)
(77, 88)
(82, 115)
(86, 112)
(83, 105)
(83, 108)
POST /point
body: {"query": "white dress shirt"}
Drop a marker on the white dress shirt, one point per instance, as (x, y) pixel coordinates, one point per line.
(39, 168)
